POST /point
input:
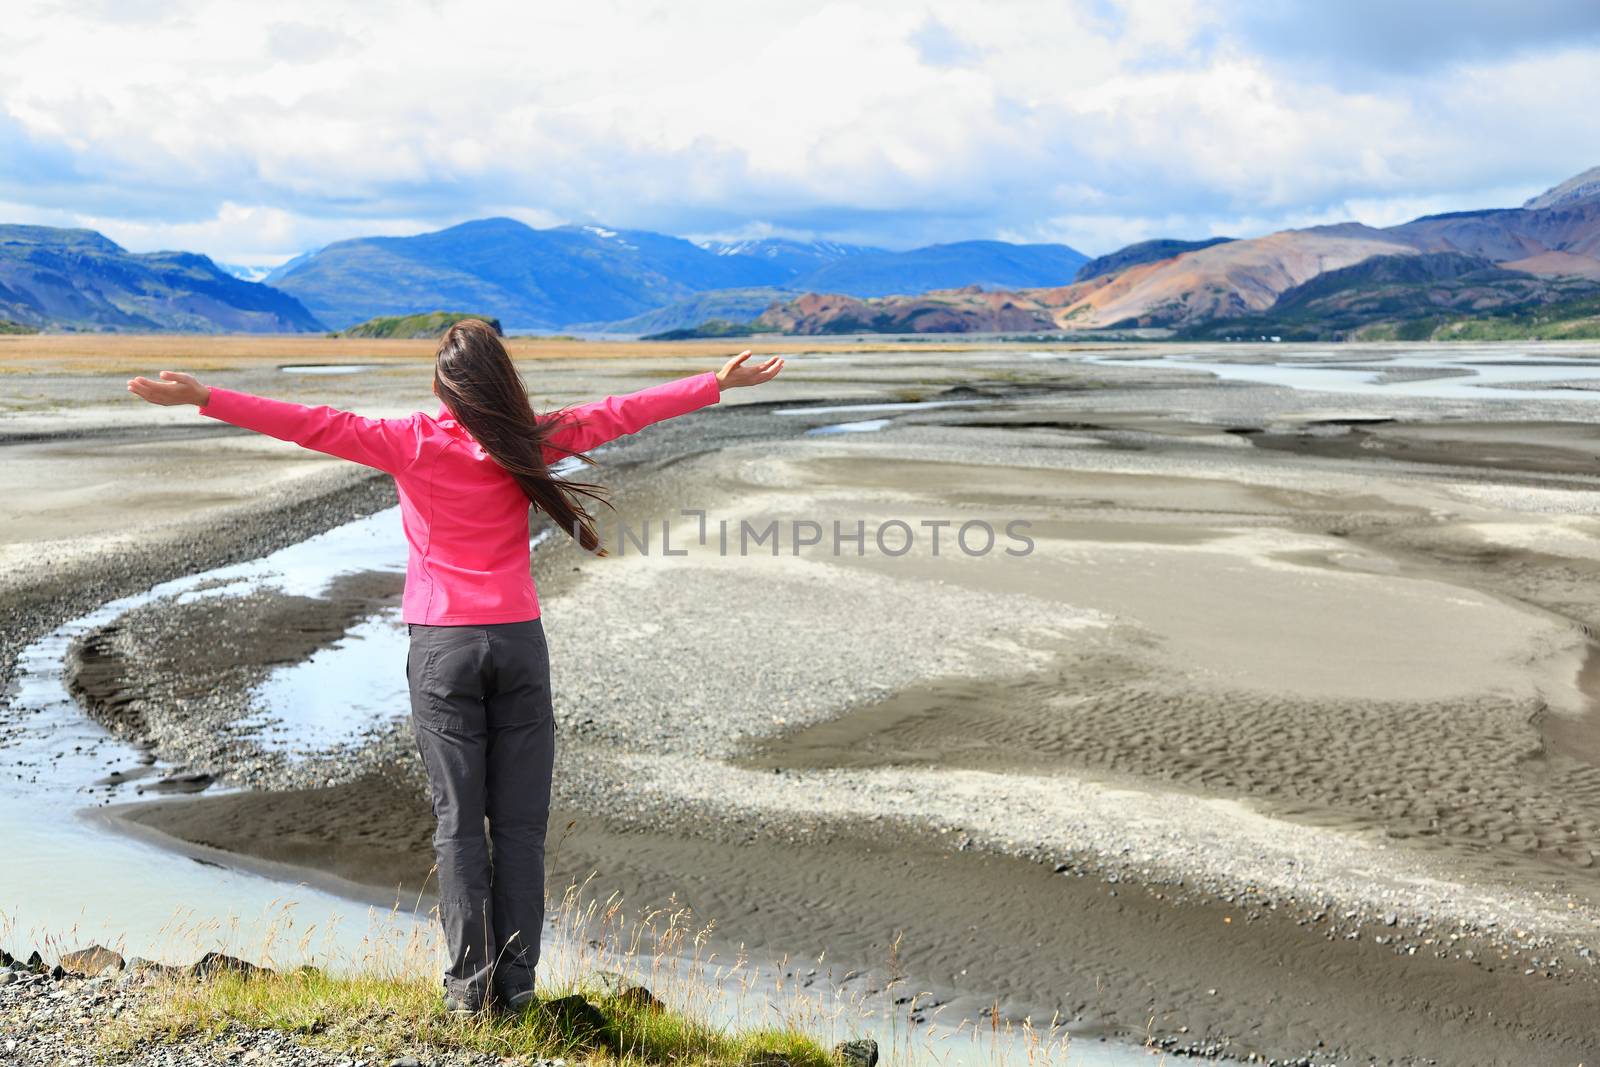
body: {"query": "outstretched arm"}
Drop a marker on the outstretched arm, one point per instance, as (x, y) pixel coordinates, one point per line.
(588, 426)
(388, 444)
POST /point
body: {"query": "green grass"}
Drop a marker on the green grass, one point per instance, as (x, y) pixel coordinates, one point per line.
(397, 1015)
(384, 999)
(1574, 321)
(7, 326)
(430, 324)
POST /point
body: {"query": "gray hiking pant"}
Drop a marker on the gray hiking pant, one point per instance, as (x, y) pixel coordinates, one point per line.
(480, 709)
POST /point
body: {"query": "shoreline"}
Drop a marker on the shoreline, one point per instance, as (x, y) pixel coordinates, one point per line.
(1299, 953)
(1131, 957)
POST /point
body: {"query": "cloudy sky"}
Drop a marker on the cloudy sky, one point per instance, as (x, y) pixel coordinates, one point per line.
(254, 131)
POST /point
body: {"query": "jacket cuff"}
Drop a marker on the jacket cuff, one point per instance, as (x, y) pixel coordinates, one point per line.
(217, 403)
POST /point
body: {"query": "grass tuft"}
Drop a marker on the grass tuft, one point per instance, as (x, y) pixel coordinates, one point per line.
(392, 1016)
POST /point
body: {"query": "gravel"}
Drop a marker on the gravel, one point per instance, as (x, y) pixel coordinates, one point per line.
(48, 1021)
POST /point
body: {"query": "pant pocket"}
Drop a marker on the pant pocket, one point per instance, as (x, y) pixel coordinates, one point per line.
(445, 678)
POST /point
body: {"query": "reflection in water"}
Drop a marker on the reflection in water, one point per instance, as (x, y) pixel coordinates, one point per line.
(328, 368)
(864, 426)
(1502, 375)
(62, 873)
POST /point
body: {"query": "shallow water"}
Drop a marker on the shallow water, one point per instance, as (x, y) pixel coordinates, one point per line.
(907, 405)
(1476, 374)
(328, 368)
(68, 879)
(864, 426)
(62, 870)
(340, 694)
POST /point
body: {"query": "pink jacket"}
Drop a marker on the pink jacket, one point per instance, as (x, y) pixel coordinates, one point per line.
(465, 518)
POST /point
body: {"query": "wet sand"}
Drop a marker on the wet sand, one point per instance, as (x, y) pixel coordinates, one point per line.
(975, 930)
(1306, 719)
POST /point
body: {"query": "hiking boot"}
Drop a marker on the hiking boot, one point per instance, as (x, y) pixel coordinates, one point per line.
(461, 1007)
(521, 1001)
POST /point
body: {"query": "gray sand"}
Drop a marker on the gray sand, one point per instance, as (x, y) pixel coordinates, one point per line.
(1267, 644)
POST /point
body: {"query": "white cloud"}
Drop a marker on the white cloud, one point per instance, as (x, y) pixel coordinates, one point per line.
(254, 131)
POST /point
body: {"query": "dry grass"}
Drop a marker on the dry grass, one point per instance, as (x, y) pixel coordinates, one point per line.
(110, 353)
(393, 1015)
(716, 1012)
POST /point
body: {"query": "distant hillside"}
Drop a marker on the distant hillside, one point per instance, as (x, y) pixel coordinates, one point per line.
(710, 328)
(1143, 252)
(7, 326)
(1578, 188)
(1520, 257)
(1574, 320)
(414, 327)
(970, 310)
(727, 305)
(1406, 297)
(1222, 281)
(78, 280)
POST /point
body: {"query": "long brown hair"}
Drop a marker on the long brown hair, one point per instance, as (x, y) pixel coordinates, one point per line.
(474, 376)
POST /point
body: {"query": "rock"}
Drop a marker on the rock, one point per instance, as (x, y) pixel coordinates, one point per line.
(142, 971)
(92, 961)
(36, 962)
(609, 983)
(579, 1021)
(214, 963)
(7, 977)
(639, 997)
(624, 991)
(406, 1061)
(6, 958)
(58, 972)
(863, 1053)
(180, 783)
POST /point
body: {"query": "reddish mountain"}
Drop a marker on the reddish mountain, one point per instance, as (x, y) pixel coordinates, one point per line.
(1555, 235)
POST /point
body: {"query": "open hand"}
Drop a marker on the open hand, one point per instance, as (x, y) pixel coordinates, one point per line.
(734, 373)
(175, 387)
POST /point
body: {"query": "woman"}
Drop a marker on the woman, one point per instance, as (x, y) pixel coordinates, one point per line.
(478, 667)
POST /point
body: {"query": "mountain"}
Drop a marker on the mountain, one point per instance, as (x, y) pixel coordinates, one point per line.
(1578, 188)
(529, 279)
(969, 310)
(782, 260)
(1221, 287)
(595, 276)
(987, 264)
(1221, 281)
(1411, 294)
(1511, 235)
(249, 274)
(1143, 252)
(79, 280)
(726, 305)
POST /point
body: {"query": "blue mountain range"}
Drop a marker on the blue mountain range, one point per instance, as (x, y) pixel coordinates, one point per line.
(593, 275)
